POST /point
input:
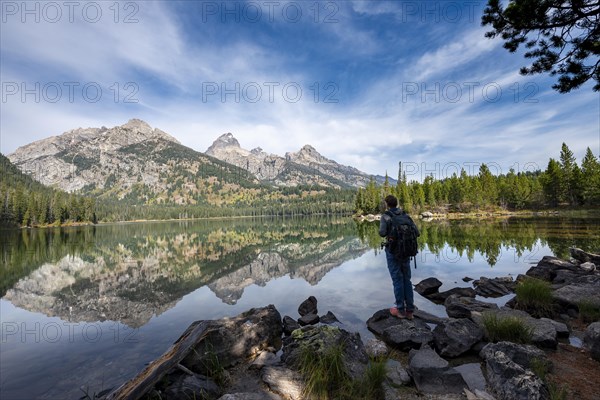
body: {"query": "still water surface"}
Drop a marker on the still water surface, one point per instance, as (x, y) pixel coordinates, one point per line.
(83, 309)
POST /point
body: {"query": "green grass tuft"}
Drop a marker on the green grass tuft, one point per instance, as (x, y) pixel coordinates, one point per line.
(535, 297)
(588, 311)
(326, 377)
(558, 392)
(540, 368)
(511, 329)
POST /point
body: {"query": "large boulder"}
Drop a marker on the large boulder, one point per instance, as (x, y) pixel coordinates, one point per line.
(584, 289)
(456, 336)
(289, 325)
(584, 257)
(508, 379)
(549, 267)
(328, 318)
(308, 319)
(248, 396)
(381, 320)
(494, 287)
(473, 376)
(591, 340)
(396, 374)
(182, 385)
(441, 297)
(522, 354)
(432, 374)
(233, 340)
(308, 306)
(407, 334)
(376, 348)
(317, 340)
(544, 332)
(428, 286)
(461, 307)
(284, 381)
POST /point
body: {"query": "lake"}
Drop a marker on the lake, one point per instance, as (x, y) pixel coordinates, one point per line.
(85, 308)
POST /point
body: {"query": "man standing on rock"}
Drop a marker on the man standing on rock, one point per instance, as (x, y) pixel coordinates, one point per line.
(399, 269)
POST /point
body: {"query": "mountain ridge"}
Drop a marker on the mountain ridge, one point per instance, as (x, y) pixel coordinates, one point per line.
(134, 160)
(304, 167)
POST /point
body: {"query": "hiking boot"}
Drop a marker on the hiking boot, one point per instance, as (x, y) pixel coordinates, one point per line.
(409, 315)
(397, 313)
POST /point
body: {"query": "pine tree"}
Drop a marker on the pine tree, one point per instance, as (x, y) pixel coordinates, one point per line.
(590, 179)
(552, 183)
(568, 176)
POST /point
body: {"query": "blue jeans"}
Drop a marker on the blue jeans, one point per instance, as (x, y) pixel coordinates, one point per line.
(400, 273)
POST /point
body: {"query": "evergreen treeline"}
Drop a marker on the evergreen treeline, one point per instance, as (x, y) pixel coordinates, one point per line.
(26, 202)
(563, 183)
(516, 238)
(293, 201)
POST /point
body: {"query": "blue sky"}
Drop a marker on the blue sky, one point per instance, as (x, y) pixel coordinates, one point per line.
(367, 83)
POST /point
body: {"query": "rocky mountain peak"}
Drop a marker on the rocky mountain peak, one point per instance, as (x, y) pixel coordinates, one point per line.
(138, 125)
(307, 148)
(256, 150)
(307, 154)
(224, 141)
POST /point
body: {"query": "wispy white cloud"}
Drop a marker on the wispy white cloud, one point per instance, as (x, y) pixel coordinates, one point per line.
(374, 127)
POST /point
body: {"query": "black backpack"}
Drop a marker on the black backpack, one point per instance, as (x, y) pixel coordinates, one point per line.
(402, 239)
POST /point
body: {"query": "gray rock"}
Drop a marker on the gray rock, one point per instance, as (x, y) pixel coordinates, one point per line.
(583, 256)
(473, 376)
(494, 287)
(428, 286)
(396, 374)
(441, 297)
(543, 331)
(380, 321)
(461, 307)
(562, 330)
(522, 354)
(192, 386)
(328, 318)
(588, 266)
(407, 334)
(289, 325)
(264, 359)
(284, 382)
(308, 306)
(375, 348)
(432, 374)
(510, 381)
(233, 340)
(591, 340)
(456, 336)
(467, 279)
(548, 267)
(319, 339)
(478, 395)
(248, 396)
(427, 317)
(308, 319)
(581, 289)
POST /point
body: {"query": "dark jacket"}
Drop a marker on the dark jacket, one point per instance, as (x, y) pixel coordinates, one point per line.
(385, 222)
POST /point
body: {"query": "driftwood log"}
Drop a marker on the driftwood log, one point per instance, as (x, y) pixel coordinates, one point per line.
(145, 380)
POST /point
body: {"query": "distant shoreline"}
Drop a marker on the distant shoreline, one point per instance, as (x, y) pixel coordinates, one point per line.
(484, 214)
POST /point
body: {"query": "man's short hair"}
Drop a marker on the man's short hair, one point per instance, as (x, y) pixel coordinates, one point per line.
(391, 201)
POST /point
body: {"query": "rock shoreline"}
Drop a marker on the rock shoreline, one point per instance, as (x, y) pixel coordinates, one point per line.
(255, 354)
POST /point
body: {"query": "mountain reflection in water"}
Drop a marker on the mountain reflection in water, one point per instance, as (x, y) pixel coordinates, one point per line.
(140, 285)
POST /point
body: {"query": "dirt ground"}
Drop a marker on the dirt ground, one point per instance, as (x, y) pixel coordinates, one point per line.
(575, 369)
